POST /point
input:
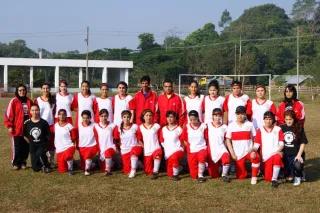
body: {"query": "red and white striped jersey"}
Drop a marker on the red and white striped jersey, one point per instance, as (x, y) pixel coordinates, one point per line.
(195, 137)
(196, 104)
(128, 138)
(231, 103)
(46, 111)
(242, 137)
(104, 103)
(149, 137)
(259, 109)
(64, 102)
(63, 136)
(211, 104)
(216, 136)
(119, 105)
(104, 137)
(170, 140)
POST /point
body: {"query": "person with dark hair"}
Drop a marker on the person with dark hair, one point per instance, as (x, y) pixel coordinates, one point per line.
(120, 102)
(235, 99)
(290, 102)
(37, 133)
(144, 99)
(194, 100)
(104, 102)
(295, 141)
(16, 113)
(212, 101)
(84, 100)
(170, 101)
(63, 101)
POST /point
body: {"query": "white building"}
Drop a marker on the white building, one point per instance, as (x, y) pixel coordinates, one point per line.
(120, 69)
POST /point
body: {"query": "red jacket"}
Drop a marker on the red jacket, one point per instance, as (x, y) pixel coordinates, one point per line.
(297, 107)
(174, 103)
(141, 102)
(14, 116)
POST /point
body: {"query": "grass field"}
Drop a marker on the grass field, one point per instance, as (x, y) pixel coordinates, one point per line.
(38, 192)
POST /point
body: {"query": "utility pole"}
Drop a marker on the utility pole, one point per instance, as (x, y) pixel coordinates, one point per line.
(235, 59)
(298, 60)
(240, 52)
(87, 56)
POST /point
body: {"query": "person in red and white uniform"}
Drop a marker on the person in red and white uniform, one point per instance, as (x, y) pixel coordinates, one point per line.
(169, 101)
(104, 102)
(235, 99)
(120, 102)
(270, 140)
(194, 101)
(63, 101)
(217, 150)
(240, 136)
(148, 135)
(291, 102)
(87, 144)
(212, 101)
(144, 99)
(64, 135)
(47, 103)
(170, 141)
(194, 136)
(16, 114)
(84, 100)
(260, 105)
(104, 136)
(126, 135)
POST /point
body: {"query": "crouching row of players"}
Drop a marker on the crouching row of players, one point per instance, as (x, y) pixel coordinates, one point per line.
(207, 146)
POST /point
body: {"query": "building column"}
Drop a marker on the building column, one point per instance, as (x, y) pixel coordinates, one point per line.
(80, 76)
(126, 75)
(5, 78)
(56, 78)
(105, 75)
(31, 78)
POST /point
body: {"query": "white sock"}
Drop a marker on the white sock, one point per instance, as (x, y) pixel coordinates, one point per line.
(70, 165)
(201, 168)
(156, 165)
(134, 162)
(175, 171)
(225, 170)
(108, 162)
(275, 173)
(88, 164)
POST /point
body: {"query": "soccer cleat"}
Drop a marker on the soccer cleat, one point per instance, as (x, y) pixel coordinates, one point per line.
(87, 172)
(154, 176)
(275, 184)
(226, 179)
(254, 180)
(297, 181)
(201, 179)
(132, 174)
(176, 178)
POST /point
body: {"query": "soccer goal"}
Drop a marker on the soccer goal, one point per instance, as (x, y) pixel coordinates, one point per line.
(248, 82)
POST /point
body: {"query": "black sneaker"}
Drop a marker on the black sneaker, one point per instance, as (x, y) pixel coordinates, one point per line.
(176, 178)
(107, 173)
(70, 172)
(274, 184)
(154, 176)
(46, 170)
(226, 179)
(201, 179)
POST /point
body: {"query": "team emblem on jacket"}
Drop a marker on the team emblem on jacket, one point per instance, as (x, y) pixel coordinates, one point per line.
(289, 137)
(35, 132)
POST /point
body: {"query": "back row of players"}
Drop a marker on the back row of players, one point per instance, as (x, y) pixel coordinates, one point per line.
(137, 124)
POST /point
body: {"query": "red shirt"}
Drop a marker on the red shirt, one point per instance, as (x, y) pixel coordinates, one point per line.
(141, 102)
(297, 106)
(173, 103)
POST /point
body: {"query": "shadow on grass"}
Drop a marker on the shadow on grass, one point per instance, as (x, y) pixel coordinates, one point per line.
(312, 169)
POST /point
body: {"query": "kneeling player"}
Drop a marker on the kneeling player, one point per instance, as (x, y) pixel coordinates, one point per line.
(218, 153)
(240, 135)
(270, 139)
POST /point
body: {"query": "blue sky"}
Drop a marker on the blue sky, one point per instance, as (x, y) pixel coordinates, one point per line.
(60, 25)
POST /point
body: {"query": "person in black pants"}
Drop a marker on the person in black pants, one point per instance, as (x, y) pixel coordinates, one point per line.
(37, 133)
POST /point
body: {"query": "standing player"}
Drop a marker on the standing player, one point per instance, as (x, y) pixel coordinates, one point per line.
(84, 100)
(235, 99)
(270, 140)
(126, 135)
(170, 141)
(104, 102)
(194, 101)
(104, 137)
(144, 99)
(217, 150)
(259, 106)
(194, 136)
(148, 135)
(120, 102)
(37, 133)
(240, 135)
(64, 101)
(64, 135)
(17, 112)
(212, 101)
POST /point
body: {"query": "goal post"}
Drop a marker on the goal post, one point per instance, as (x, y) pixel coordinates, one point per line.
(248, 81)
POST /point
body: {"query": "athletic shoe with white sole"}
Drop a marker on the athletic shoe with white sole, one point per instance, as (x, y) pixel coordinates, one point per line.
(132, 174)
(254, 180)
(297, 181)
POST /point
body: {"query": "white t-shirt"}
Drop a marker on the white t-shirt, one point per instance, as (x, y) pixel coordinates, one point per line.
(231, 103)
(170, 140)
(196, 104)
(63, 102)
(258, 110)
(62, 137)
(195, 137)
(150, 138)
(128, 138)
(105, 103)
(242, 137)
(86, 135)
(119, 106)
(105, 138)
(216, 141)
(210, 105)
(46, 111)
(85, 103)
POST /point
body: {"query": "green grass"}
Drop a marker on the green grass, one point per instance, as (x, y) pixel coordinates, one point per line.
(38, 192)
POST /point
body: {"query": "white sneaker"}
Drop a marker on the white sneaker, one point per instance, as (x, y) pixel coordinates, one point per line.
(254, 180)
(132, 174)
(86, 173)
(297, 181)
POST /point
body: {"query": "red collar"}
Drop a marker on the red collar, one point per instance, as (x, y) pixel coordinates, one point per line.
(265, 100)
(173, 128)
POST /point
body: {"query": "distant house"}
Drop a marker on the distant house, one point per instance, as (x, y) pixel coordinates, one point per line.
(292, 79)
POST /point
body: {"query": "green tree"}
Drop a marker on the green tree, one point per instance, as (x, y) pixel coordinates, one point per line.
(303, 10)
(147, 41)
(225, 18)
(207, 34)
